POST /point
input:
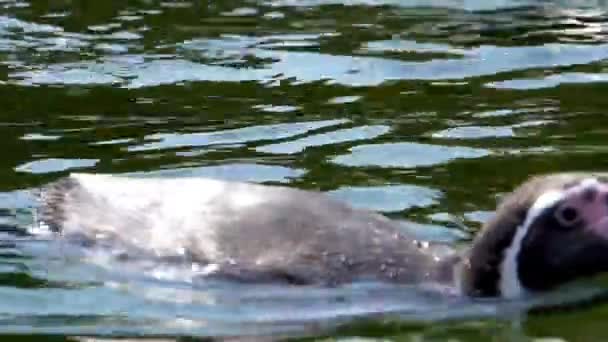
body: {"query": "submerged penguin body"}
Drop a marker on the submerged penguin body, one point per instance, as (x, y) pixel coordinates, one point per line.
(549, 231)
(246, 231)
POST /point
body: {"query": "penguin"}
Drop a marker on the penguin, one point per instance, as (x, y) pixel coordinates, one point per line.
(549, 231)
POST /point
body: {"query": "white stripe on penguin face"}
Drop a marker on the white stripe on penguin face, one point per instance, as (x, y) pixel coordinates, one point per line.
(509, 284)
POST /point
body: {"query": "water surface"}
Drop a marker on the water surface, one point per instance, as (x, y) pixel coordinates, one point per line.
(427, 111)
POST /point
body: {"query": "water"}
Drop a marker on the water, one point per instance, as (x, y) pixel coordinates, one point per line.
(425, 110)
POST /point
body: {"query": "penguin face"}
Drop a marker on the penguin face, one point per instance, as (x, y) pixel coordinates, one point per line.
(564, 236)
(551, 230)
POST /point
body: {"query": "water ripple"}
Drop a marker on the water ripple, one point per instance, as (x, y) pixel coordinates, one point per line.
(388, 198)
(406, 155)
(549, 81)
(233, 136)
(334, 137)
(475, 132)
(55, 165)
(310, 67)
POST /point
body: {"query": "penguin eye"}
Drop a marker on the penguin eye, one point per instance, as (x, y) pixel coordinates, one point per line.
(567, 216)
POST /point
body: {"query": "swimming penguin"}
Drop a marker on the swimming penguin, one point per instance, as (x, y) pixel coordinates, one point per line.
(549, 231)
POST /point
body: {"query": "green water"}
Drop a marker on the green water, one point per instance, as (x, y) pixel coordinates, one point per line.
(424, 110)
